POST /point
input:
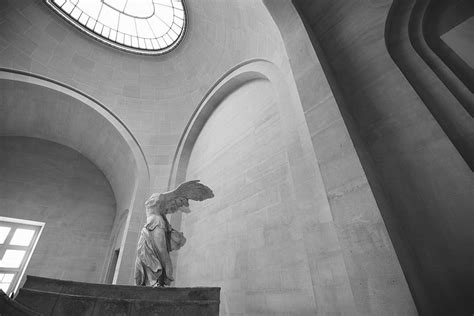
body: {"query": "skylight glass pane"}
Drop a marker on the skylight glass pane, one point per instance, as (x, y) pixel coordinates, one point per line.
(4, 233)
(168, 39)
(163, 2)
(148, 44)
(139, 8)
(176, 29)
(22, 237)
(134, 41)
(166, 15)
(128, 40)
(91, 23)
(134, 25)
(113, 35)
(179, 14)
(120, 38)
(105, 31)
(162, 42)
(119, 5)
(76, 13)
(98, 28)
(109, 17)
(178, 5)
(83, 19)
(12, 258)
(91, 8)
(158, 26)
(127, 25)
(67, 7)
(179, 22)
(141, 43)
(143, 29)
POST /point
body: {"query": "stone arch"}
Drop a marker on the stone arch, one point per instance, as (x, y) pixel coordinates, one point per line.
(445, 95)
(237, 76)
(38, 107)
(295, 169)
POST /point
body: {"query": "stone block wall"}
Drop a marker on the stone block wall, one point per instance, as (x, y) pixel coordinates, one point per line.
(153, 95)
(421, 182)
(248, 239)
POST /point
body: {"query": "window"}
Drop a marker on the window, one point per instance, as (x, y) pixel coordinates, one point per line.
(142, 26)
(18, 239)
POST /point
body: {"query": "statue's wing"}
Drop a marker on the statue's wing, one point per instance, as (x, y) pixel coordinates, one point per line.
(191, 190)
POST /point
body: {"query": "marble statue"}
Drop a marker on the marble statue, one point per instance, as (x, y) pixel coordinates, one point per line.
(157, 238)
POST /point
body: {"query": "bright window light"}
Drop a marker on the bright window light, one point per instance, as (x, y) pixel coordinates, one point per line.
(4, 286)
(22, 237)
(12, 258)
(5, 281)
(18, 238)
(143, 21)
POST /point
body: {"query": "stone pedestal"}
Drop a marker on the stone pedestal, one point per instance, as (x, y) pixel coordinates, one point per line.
(56, 297)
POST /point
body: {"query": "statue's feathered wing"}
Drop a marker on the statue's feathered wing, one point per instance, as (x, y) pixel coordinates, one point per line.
(178, 199)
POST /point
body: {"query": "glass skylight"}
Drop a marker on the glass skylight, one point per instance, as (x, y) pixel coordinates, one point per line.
(140, 26)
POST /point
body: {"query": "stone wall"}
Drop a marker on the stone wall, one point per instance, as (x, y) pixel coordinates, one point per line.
(47, 182)
(153, 95)
(422, 184)
(280, 237)
(369, 280)
(249, 238)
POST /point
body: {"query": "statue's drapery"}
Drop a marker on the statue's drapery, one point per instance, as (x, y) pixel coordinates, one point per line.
(153, 265)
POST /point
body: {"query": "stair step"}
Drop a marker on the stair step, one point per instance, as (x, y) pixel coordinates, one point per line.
(58, 297)
(9, 307)
(122, 291)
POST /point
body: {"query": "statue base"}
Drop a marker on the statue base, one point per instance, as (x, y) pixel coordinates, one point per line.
(56, 297)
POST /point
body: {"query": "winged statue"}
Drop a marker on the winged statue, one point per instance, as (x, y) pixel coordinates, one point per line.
(157, 238)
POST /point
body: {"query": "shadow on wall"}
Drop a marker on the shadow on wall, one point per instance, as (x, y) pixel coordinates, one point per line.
(37, 107)
(418, 138)
(444, 87)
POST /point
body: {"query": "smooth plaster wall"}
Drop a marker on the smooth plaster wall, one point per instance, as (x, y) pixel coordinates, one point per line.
(424, 179)
(47, 182)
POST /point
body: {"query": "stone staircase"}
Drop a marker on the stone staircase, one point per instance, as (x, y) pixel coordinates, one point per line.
(56, 297)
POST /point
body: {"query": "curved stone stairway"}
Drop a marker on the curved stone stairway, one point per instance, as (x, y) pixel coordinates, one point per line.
(43, 296)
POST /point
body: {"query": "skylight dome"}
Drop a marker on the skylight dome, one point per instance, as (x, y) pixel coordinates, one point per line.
(142, 26)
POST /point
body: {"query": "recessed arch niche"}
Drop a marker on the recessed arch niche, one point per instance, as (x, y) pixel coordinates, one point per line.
(248, 140)
(54, 184)
(34, 106)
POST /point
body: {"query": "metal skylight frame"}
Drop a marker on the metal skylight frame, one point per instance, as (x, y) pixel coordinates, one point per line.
(123, 47)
